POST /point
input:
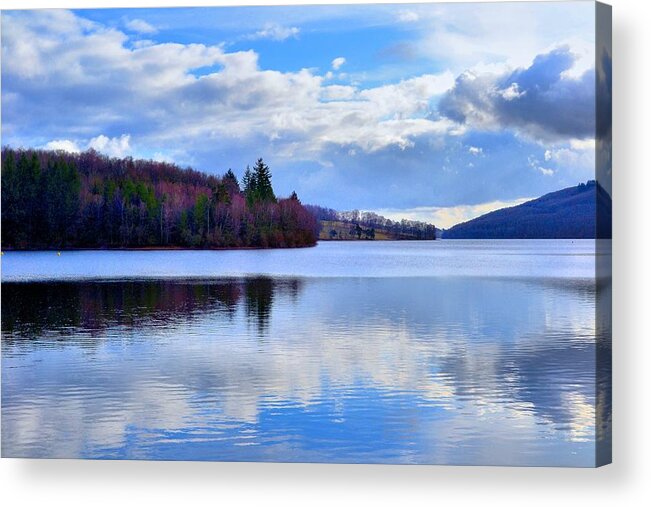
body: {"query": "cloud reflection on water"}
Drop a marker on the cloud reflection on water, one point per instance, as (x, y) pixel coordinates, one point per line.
(430, 370)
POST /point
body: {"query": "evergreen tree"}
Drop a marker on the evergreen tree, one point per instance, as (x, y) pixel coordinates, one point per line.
(263, 191)
(248, 185)
(230, 183)
(90, 200)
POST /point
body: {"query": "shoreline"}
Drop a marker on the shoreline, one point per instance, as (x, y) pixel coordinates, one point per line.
(230, 248)
(195, 249)
(153, 249)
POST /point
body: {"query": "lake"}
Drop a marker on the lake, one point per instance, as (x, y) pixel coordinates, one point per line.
(444, 352)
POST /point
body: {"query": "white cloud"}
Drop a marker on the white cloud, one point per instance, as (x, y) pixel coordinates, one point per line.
(511, 33)
(338, 62)
(446, 217)
(539, 103)
(90, 81)
(512, 92)
(111, 146)
(140, 26)
(534, 163)
(409, 96)
(584, 56)
(408, 16)
(62, 144)
(576, 158)
(339, 92)
(583, 144)
(474, 150)
(276, 32)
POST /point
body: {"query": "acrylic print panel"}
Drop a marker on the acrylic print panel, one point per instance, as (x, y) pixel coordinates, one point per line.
(340, 234)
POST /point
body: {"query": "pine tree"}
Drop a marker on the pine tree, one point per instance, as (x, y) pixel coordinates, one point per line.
(248, 184)
(56, 199)
(264, 192)
(227, 188)
(230, 182)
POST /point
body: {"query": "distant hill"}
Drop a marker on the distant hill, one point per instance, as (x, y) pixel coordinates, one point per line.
(568, 213)
(340, 230)
(367, 225)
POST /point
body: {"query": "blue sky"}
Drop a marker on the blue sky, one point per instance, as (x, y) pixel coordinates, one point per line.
(436, 112)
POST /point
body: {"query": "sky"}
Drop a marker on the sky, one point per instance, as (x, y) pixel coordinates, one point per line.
(434, 112)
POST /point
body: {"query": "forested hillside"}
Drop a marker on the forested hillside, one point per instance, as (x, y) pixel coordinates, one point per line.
(583, 211)
(87, 200)
(366, 225)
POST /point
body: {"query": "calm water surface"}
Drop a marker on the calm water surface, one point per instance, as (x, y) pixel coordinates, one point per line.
(518, 258)
(403, 352)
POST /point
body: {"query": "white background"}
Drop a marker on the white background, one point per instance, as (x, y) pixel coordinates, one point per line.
(626, 482)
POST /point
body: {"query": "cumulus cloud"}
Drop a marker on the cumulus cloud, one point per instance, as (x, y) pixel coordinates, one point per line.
(338, 62)
(339, 92)
(276, 32)
(140, 26)
(474, 150)
(82, 79)
(111, 146)
(114, 147)
(62, 144)
(538, 101)
(70, 81)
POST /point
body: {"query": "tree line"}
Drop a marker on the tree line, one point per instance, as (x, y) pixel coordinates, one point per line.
(365, 224)
(55, 199)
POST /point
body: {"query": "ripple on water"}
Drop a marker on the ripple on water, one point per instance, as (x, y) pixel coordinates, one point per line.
(456, 370)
